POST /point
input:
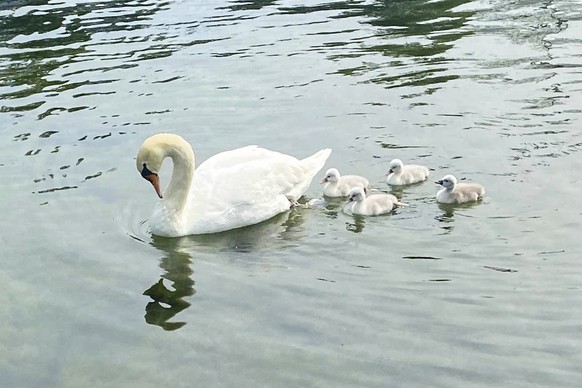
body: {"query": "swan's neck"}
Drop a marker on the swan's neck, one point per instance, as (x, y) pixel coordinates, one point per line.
(176, 194)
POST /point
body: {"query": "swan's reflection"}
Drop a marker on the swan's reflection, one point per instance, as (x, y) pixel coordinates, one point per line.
(167, 303)
(276, 233)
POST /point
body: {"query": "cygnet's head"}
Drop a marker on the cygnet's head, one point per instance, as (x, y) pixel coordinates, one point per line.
(149, 161)
(395, 166)
(356, 194)
(448, 182)
(331, 175)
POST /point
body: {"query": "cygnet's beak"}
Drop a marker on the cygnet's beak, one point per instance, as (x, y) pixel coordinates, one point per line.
(155, 181)
(389, 172)
(439, 182)
(324, 180)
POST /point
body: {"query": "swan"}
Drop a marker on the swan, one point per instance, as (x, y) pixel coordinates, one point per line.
(229, 190)
(400, 174)
(454, 192)
(337, 185)
(372, 205)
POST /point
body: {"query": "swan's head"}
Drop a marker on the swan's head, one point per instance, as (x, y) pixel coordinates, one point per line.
(149, 161)
(448, 182)
(356, 194)
(331, 175)
(395, 166)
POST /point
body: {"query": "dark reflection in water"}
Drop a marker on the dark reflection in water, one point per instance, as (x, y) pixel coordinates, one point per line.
(47, 37)
(179, 253)
(167, 303)
(357, 226)
(409, 33)
(245, 5)
(447, 219)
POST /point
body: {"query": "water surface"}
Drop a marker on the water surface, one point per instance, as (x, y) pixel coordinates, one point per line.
(431, 295)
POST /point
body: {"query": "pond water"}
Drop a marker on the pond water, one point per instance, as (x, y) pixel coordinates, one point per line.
(481, 295)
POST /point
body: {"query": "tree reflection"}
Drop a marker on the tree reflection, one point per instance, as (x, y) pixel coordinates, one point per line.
(38, 40)
(407, 32)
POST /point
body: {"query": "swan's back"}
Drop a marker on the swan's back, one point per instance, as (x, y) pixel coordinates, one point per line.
(246, 186)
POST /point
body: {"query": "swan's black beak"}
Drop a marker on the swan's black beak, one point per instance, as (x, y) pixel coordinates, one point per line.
(439, 182)
(389, 172)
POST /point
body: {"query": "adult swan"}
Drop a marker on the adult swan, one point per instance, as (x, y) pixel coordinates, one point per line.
(229, 190)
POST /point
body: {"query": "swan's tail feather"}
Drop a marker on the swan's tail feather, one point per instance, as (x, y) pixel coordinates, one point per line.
(309, 167)
(315, 162)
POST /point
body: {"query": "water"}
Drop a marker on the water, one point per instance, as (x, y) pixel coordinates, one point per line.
(432, 295)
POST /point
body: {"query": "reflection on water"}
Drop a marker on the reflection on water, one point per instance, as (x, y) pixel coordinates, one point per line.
(446, 219)
(357, 226)
(177, 267)
(180, 252)
(285, 229)
(412, 38)
(38, 40)
(488, 89)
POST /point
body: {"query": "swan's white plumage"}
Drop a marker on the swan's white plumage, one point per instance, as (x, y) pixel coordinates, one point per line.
(454, 192)
(372, 205)
(229, 190)
(401, 174)
(337, 185)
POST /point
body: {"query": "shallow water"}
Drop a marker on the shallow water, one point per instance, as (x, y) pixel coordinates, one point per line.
(432, 295)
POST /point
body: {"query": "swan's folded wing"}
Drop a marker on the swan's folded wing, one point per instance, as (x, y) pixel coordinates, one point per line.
(243, 187)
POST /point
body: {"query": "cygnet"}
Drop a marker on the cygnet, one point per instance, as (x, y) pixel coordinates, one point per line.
(372, 205)
(340, 186)
(400, 174)
(454, 192)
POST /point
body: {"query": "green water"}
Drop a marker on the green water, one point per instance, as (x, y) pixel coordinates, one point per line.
(470, 296)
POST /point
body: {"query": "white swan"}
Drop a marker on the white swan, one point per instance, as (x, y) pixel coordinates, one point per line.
(399, 174)
(229, 190)
(372, 205)
(337, 185)
(454, 192)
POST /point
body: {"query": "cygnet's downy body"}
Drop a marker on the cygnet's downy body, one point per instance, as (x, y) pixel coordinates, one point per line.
(400, 174)
(372, 205)
(454, 192)
(337, 185)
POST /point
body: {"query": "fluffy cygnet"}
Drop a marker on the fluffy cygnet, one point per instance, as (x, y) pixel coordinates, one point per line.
(340, 186)
(399, 174)
(372, 205)
(454, 192)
